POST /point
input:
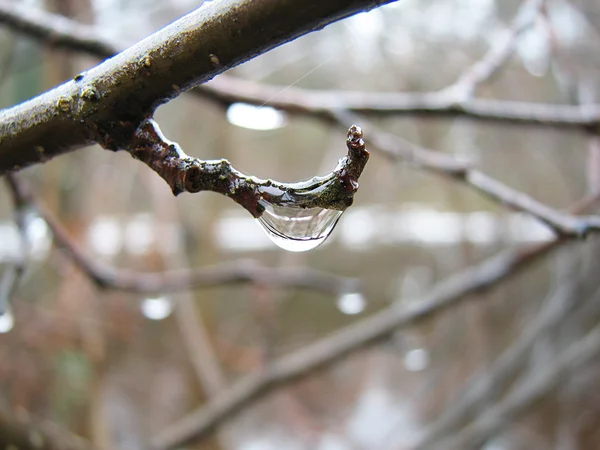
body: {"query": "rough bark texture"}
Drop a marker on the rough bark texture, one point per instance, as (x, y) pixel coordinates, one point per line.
(107, 104)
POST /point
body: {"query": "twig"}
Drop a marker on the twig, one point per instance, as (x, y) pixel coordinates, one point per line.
(328, 350)
(183, 173)
(61, 32)
(241, 271)
(227, 90)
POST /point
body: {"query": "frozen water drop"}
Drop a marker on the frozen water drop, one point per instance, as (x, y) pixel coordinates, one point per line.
(297, 229)
(351, 303)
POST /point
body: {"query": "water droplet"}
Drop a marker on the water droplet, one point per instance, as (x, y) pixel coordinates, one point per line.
(157, 308)
(297, 229)
(255, 117)
(351, 303)
(416, 360)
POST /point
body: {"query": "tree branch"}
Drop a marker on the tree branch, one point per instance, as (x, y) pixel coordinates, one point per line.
(11, 279)
(106, 104)
(184, 173)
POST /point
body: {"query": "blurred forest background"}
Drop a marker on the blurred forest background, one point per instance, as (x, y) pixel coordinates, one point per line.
(117, 368)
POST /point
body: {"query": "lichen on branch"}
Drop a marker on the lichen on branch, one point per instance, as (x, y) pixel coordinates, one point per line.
(184, 173)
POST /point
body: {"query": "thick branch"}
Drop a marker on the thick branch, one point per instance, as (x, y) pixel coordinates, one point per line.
(64, 33)
(107, 104)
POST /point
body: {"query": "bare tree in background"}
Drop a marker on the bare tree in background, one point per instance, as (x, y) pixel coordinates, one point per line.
(505, 349)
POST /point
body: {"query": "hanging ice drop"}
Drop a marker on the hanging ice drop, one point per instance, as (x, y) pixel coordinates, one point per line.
(297, 229)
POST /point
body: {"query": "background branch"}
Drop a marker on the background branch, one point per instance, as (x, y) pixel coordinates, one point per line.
(373, 329)
(480, 391)
(528, 391)
(23, 432)
(12, 276)
(241, 271)
(485, 69)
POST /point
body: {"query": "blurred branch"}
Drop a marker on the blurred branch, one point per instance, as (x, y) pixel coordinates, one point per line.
(242, 271)
(324, 104)
(20, 431)
(483, 70)
(15, 271)
(483, 388)
(368, 331)
(566, 225)
(54, 29)
(529, 390)
(106, 104)
(61, 32)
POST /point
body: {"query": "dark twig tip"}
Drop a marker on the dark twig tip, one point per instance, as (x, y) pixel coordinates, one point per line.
(355, 132)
